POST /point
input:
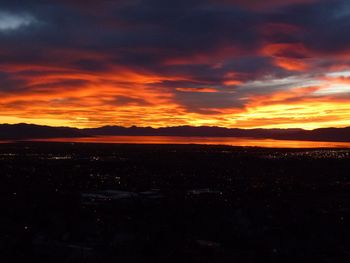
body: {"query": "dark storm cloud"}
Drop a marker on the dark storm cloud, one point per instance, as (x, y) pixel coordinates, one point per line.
(178, 26)
(323, 24)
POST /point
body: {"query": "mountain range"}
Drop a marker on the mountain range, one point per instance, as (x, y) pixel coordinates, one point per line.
(30, 131)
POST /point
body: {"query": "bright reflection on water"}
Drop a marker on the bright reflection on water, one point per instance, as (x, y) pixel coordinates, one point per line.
(233, 141)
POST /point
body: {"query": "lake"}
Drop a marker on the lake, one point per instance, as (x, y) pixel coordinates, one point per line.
(232, 141)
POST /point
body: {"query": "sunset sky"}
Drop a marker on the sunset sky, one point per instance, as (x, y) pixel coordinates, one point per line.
(231, 63)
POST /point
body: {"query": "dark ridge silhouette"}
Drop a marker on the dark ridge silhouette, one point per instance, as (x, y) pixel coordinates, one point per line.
(29, 131)
(324, 134)
(32, 131)
(188, 131)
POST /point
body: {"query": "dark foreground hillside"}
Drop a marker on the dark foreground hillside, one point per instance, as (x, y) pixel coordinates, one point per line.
(133, 203)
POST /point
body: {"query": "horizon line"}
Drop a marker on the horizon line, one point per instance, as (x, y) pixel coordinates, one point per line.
(163, 127)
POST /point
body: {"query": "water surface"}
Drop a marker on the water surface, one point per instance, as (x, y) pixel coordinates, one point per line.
(232, 141)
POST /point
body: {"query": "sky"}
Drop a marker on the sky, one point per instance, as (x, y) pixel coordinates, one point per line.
(229, 63)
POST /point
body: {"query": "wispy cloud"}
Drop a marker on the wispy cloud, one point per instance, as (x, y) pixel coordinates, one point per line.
(13, 21)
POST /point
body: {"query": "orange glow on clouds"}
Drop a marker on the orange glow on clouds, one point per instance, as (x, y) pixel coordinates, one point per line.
(129, 98)
(287, 56)
(231, 63)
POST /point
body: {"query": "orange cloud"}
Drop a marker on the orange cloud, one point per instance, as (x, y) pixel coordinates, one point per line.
(207, 90)
(287, 56)
(124, 97)
(119, 95)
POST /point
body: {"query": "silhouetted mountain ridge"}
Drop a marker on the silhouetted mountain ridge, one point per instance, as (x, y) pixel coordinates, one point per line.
(322, 134)
(208, 131)
(31, 131)
(28, 131)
